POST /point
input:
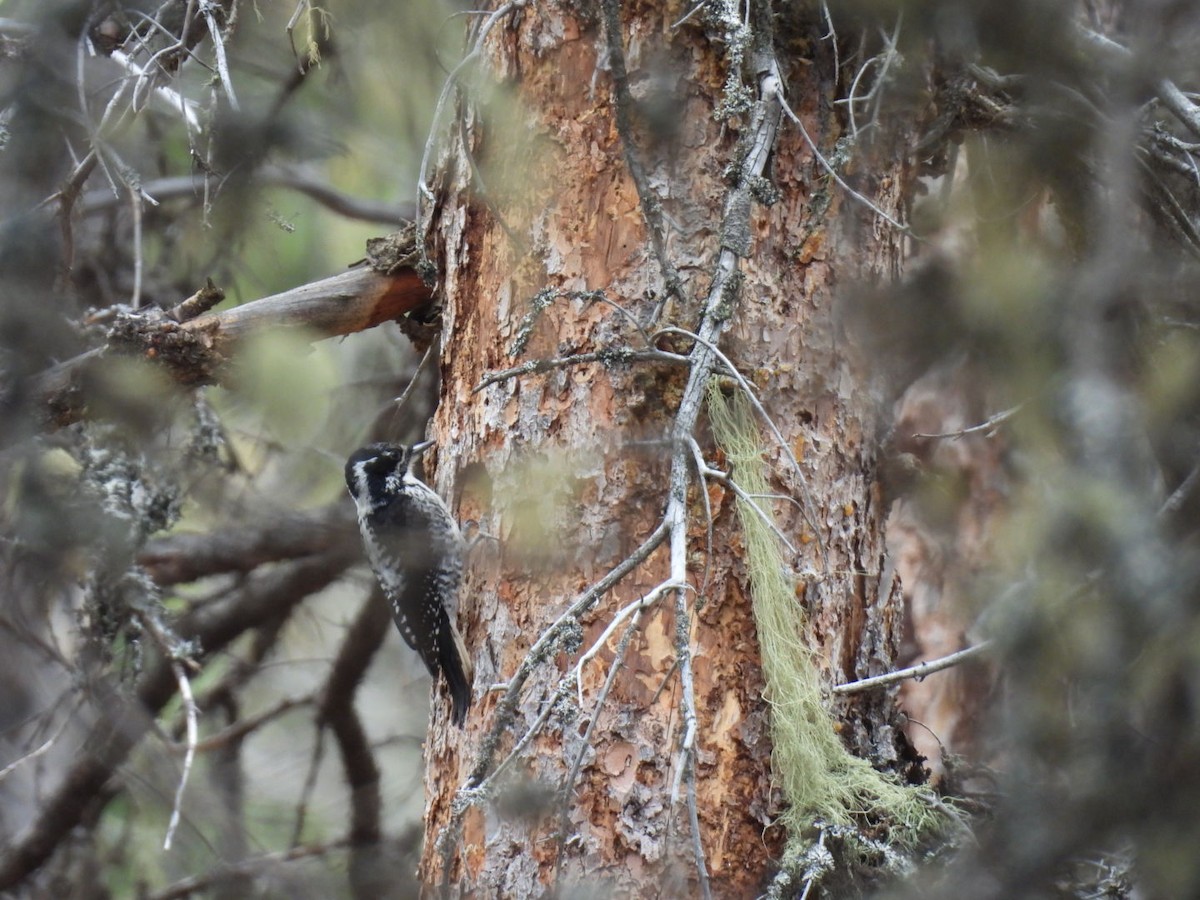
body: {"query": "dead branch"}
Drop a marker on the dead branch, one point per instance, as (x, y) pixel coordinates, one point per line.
(180, 558)
(197, 352)
(918, 672)
(265, 597)
(337, 711)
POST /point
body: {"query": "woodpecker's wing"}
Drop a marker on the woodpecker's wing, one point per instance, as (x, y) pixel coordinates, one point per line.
(418, 561)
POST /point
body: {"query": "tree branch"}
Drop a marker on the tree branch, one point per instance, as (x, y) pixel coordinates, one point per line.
(186, 186)
(123, 723)
(180, 558)
(197, 352)
(367, 877)
(919, 671)
(355, 300)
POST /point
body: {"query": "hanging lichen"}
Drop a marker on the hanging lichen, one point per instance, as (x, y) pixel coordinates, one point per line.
(821, 780)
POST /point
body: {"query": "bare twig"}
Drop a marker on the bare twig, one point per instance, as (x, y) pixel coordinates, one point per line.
(310, 785)
(218, 40)
(691, 12)
(832, 37)
(171, 648)
(613, 356)
(423, 191)
(634, 609)
(749, 500)
(1181, 493)
(469, 794)
(701, 468)
(988, 426)
(189, 757)
(343, 204)
(890, 55)
(242, 727)
(1168, 92)
(918, 671)
(170, 98)
(36, 752)
(807, 507)
(399, 402)
(484, 788)
(841, 182)
(586, 740)
(549, 639)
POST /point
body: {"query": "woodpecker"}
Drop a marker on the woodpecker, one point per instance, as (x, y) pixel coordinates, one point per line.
(416, 551)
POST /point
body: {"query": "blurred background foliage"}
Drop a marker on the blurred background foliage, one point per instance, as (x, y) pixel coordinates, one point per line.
(98, 515)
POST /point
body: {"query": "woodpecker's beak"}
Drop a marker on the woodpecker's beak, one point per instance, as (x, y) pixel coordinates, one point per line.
(418, 449)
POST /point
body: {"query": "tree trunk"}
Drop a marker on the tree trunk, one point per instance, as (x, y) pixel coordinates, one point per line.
(547, 251)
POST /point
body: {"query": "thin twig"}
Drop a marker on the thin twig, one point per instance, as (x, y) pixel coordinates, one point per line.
(483, 789)
(468, 794)
(261, 598)
(749, 500)
(135, 202)
(608, 357)
(1181, 493)
(808, 507)
(988, 426)
(412, 382)
(701, 468)
(633, 608)
(852, 99)
(171, 98)
(550, 638)
(423, 191)
(36, 752)
(310, 785)
(586, 740)
(242, 727)
(191, 712)
(832, 37)
(918, 671)
(218, 40)
(833, 173)
(889, 57)
(691, 12)
(98, 201)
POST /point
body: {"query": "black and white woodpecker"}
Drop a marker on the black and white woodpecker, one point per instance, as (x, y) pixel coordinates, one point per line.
(416, 550)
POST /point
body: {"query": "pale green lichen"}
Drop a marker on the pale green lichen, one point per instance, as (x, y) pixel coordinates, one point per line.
(820, 778)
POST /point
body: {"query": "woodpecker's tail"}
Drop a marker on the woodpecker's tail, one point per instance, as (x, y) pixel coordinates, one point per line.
(455, 665)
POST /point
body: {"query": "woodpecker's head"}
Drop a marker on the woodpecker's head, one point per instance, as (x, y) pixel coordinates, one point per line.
(379, 469)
